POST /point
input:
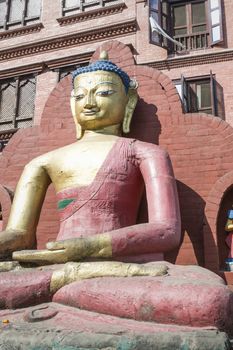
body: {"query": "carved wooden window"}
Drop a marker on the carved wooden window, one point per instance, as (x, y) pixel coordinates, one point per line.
(15, 13)
(70, 7)
(196, 24)
(201, 94)
(17, 97)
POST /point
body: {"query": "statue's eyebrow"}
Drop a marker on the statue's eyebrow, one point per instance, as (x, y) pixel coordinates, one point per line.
(106, 82)
(100, 83)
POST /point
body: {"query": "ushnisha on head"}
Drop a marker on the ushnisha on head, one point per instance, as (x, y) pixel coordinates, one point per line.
(103, 96)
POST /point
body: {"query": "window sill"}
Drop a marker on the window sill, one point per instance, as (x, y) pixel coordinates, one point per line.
(85, 16)
(184, 53)
(12, 33)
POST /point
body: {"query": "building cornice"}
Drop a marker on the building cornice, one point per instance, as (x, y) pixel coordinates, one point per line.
(179, 62)
(37, 68)
(85, 16)
(69, 60)
(97, 34)
(34, 68)
(32, 28)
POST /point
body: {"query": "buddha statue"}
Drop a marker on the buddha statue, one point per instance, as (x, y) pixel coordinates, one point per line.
(99, 181)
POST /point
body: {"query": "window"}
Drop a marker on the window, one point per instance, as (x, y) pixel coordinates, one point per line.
(17, 96)
(64, 71)
(189, 25)
(76, 6)
(201, 94)
(195, 24)
(18, 12)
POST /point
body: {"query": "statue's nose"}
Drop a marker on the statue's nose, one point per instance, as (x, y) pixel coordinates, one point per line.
(90, 100)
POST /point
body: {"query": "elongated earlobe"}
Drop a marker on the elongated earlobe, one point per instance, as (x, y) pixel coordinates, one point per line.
(79, 131)
(129, 110)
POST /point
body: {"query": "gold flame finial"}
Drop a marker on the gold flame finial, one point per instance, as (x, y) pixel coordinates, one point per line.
(104, 56)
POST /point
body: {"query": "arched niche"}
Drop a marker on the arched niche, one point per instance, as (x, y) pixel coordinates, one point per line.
(225, 205)
(219, 201)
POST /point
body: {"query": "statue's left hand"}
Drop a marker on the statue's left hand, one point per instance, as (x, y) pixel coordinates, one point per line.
(75, 249)
(57, 252)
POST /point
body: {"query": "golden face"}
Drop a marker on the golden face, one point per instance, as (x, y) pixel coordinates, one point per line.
(100, 100)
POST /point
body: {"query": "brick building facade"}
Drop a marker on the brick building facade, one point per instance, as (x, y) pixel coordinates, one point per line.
(41, 45)
(60, 36)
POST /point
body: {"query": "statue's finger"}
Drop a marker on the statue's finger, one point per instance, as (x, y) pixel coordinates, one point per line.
(55, 245)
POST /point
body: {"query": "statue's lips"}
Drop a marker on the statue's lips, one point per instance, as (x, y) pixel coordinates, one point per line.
(91, 112)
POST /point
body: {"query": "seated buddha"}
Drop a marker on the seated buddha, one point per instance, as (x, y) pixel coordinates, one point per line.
(99, 181)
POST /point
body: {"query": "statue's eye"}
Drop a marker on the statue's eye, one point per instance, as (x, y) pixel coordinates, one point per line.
(105, 93)
(79, 97)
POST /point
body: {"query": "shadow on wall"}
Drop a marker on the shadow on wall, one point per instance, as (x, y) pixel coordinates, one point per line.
(145, 124)
(191, 249)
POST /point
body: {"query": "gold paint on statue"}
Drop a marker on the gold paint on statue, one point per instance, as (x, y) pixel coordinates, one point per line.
(229, 225)
(78, 271)
(75, 249)
(9, 266)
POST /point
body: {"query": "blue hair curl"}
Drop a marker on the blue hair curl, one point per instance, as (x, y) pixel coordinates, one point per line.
(106, 66)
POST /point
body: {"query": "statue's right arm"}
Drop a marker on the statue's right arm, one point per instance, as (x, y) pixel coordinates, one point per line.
(26, 207)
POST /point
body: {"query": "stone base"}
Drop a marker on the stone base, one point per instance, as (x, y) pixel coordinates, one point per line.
(57, 327)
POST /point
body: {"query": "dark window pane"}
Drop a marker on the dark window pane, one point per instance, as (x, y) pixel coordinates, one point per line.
(199, 96)
(33, 8)
(164, 22)
(208, 111)
(199, 29)
(71, 3)
(165, 8)
(7, 101)
(63, 75)
(27, 90)
(16, 10)
(203, 94)
(63, 72)
(154, 4)
(154, 34)
(180, 16)
(155, 37)
(2, 11)
(192, 98)
(155, 16)
(180, 31)
(198, 13)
